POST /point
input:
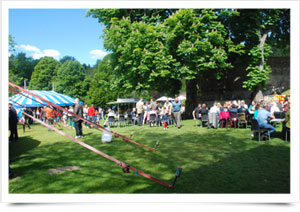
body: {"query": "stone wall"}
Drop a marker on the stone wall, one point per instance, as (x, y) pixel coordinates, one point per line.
(232, 89)
(280, 75)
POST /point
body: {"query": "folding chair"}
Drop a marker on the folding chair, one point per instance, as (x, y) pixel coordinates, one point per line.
(111, 120)
(121, 120)
(152, 119)
(224, 116)
(233, 119)
(204, 118)
(241, 119)
(256, 129)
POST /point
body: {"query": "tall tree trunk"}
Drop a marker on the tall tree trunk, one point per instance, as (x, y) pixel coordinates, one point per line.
(191, 97)
(262, 41)
(257, 93)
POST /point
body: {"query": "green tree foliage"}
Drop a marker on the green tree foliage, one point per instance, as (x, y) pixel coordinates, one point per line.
(101, 88)
(257, 76)
(153, 53)
(25, 66)
(44, 73)
(67, 58)
(265, 29)
(21, 68)
(149, 16)
(180, 45)
(11, 44)
(199, 42)
(13, 77)
(70, 78)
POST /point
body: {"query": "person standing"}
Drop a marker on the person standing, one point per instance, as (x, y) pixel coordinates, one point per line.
(91, 113)
(100, 114)
(13, 122)
(43, 114)
(176, 106)
(168, 106)
(96, 118)
(49, 116)
(196, 112)
(70, 117)
(78, 110)
(27, 119)
(165, 116)
(140, 111)
(85, 115)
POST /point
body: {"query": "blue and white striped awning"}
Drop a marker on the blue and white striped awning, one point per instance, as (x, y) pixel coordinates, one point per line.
(56, 98)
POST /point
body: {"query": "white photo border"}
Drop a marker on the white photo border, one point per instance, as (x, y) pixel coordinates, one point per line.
(162, 198)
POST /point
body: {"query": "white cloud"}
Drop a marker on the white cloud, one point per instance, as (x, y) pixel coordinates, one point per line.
(29, 48)
(36, 53)
(47, 52)
(97, 53)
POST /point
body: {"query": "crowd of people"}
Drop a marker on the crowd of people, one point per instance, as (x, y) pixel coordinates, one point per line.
(151, 113)
(155, 114)
(261, 111)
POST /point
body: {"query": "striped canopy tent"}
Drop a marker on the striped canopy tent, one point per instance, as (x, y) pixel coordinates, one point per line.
(28, 100)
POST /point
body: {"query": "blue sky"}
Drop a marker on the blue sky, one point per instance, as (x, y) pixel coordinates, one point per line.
(57, 33)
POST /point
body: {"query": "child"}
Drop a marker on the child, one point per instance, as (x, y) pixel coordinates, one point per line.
(65, 118)
(165, 118)
(24, 122)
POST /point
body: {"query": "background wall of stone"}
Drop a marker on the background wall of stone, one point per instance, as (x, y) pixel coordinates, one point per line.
(230, 86)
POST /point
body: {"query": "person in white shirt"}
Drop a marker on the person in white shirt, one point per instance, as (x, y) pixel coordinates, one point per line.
(243, 104)
(274, 108)
(214, 108)
(140, 111)
(169, 107)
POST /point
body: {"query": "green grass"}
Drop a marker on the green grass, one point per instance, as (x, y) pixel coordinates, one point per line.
(287, 92)
(213, 161)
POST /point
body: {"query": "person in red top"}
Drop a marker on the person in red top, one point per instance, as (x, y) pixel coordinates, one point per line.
(57, 115)
(91, 113)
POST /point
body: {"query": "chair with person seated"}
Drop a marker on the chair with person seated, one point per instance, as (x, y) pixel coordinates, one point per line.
(233, 119)
(128, 120)
(256, 129)
(224, 116)
(279, 115)
(204, 118)
(111, 120)
(152, 120)
(285, 131)
(121, 120)
(134, 120)
(241, 119)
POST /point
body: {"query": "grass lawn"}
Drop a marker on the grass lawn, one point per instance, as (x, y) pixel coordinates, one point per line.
(213, 161)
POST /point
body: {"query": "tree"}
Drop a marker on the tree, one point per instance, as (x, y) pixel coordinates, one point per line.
(158, 55)
(69, 79)
(265, 29)
(25, 66)
(44, 74)
(21, 68)
(67, 58)
(101, 85)
(199, 42)
(11, 44)
(140, 60)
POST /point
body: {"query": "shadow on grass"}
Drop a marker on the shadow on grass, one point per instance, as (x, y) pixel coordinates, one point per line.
(25, 144)
(264, 169)
(225, 162)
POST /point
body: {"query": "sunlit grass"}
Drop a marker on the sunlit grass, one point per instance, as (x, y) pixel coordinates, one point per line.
(213, 161)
